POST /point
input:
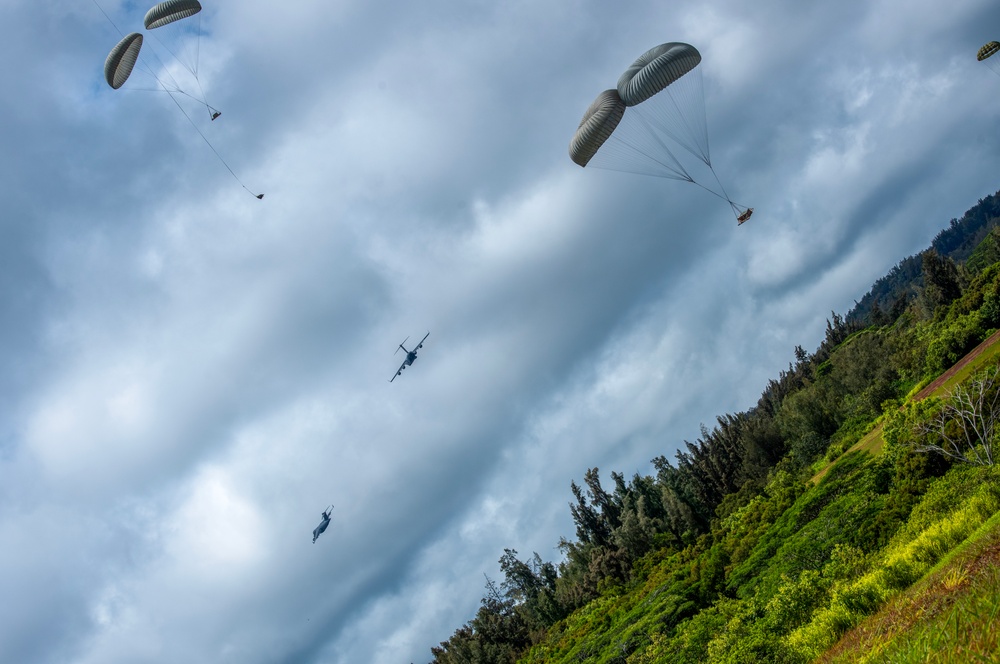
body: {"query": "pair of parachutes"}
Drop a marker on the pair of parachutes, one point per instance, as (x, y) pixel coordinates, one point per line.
(659, 102)
(123, 57)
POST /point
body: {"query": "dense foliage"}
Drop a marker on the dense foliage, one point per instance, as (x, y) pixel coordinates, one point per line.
(740, 549)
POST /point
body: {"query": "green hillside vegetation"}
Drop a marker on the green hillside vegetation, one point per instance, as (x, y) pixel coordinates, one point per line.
(851, 515)
(949, 616)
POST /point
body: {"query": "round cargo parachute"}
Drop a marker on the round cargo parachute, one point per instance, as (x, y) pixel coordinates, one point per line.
(988, 54)
(122, 59)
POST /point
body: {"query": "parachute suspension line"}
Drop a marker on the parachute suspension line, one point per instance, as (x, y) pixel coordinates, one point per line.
(163, 67)
(724, 192)
(191, 67)
(678, 112)
(666, 149)
(171, 52)
(690, 94)
(742, 213)
(109, 19)
(618, 155)
(632, 148)
(197, 47)
(163, 88)
(209, 144)
(159, 81)
(664, 116)
(676, 171)
(212, 112)
(712, 191)
(190, 96)
(700, 94)
(662, 129)
(706, 157)
(738, 210)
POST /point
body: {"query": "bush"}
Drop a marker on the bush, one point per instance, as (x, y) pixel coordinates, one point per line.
(954, 341)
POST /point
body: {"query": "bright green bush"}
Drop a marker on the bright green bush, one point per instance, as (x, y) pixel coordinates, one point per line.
(956, 339)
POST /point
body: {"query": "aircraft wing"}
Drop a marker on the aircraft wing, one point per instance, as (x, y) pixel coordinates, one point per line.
(398, 371)
(423, 340)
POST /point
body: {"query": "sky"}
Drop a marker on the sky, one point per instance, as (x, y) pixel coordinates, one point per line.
(189, 375)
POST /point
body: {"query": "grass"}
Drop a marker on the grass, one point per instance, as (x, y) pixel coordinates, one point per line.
(872, 442)
(950, 615)
(909, 558)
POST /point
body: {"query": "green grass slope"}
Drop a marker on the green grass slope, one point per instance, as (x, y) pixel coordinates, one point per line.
(951, 615)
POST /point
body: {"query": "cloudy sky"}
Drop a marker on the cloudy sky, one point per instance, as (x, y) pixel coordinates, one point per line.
(188, 375)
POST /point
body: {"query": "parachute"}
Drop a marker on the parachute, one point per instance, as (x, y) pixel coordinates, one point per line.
(659, 101)
(660, 85)
(121, 60)
(170, 11)
(597, 125)
(988, 54)
(164, 14)
(126, 55)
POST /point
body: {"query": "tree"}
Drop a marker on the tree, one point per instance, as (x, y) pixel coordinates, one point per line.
(497, 635)
(532, 589)
(965, 427)
(941, 281)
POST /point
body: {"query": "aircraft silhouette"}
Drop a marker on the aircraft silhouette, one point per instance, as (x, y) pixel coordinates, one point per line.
(411, 355)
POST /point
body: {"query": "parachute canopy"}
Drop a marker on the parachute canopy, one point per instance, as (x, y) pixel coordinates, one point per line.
(988, 50)
(170, 11)
(655, 69)
(122, 59)
(988, 56)
(598, 122)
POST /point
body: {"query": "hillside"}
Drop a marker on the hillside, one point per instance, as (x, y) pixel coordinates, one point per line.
(948, 616)
(796, 524)
(970, 240)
